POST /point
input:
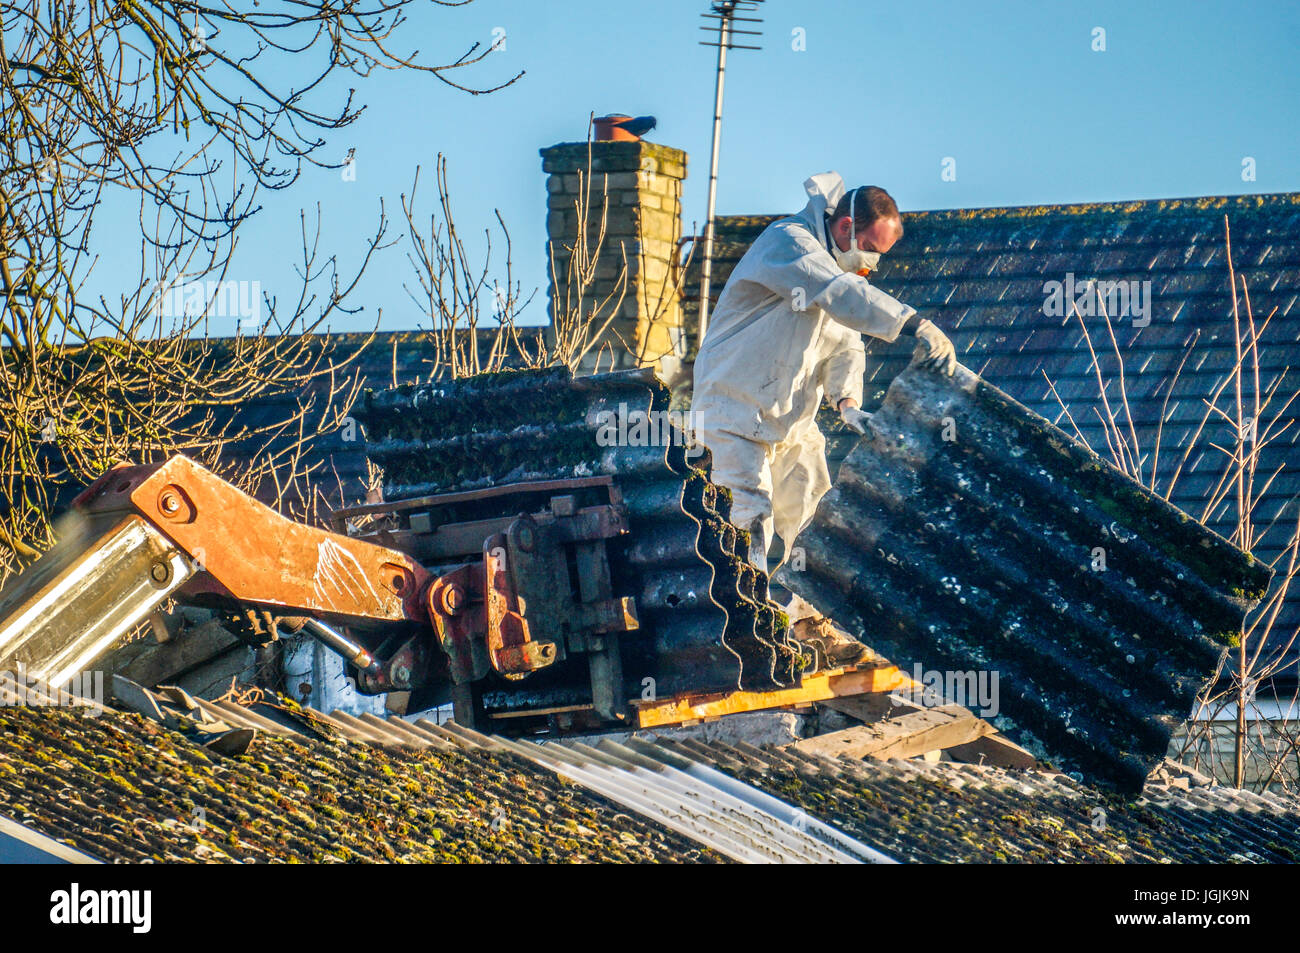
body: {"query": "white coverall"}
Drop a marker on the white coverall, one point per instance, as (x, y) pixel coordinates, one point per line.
(786, 332)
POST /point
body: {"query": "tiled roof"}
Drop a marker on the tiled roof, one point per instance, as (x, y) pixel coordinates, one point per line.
(963, 535)
(122, 788)
(337, 455)
(980, 274)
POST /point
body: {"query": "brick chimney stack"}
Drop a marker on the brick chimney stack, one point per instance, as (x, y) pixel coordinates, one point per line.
(643, 182)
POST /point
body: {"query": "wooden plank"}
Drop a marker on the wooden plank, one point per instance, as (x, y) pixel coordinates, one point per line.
(880, 678)
(904, 737)
(532, 712)
(993, 749)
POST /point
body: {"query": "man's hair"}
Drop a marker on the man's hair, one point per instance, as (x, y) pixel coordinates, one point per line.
(870, 204)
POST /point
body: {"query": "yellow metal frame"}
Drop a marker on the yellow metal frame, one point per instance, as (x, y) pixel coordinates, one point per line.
(834, 683)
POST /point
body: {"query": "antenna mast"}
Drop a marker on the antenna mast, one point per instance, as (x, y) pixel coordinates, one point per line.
(724, 17)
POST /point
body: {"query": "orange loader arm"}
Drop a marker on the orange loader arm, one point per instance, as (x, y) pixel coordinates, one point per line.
(142, 534)
(251, 554)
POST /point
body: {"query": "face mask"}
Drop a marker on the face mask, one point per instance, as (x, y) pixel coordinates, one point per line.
(855, 260)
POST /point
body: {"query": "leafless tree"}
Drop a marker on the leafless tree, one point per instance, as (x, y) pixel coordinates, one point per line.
(580, 317)
(183, 113)
(471, 311)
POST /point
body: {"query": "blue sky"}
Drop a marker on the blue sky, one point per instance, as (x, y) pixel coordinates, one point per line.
(883, 92)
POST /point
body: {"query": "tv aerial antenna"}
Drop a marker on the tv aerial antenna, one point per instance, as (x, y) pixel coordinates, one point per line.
(723, 17)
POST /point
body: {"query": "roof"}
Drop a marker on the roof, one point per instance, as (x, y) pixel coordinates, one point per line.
(121, 788)
(945, 812)
(335, 453)
(980, 275)
(967, 535)
(737, 821)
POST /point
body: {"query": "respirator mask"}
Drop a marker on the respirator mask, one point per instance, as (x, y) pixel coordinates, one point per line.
(854, 260)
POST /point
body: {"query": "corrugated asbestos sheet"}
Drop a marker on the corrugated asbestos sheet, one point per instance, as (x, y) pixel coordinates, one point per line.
(968, 534)
(706, 624)
(737, 821)
(122, 788)
(775, 804)
(694, 802)
(980, 273)
(945, 812)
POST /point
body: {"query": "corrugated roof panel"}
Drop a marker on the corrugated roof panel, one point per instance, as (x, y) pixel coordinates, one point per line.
(968, 534)
(686, 804)
(947, 812)
(124, 789)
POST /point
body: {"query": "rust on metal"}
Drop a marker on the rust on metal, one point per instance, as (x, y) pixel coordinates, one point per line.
(510, 645)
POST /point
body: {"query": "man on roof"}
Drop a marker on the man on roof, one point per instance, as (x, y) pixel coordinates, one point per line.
(786, 333)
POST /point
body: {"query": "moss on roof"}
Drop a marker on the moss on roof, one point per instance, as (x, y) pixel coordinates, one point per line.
(950, 813)
(121, 788)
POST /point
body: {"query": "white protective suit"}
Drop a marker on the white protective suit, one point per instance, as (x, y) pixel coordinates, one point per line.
(786, 332)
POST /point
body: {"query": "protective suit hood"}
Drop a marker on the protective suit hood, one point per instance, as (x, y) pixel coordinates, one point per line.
(825, 189)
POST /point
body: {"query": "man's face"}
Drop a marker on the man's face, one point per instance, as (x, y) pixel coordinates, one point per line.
(881, 236)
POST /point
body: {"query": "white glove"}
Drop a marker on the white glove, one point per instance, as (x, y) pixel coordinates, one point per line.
(855, 419)
(941, 356)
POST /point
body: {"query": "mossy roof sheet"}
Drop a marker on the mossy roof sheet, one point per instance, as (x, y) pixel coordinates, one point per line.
(966, 534)
(122, 788)
(946, 812)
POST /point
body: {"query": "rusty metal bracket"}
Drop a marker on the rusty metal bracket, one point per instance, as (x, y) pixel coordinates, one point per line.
(455, 603)
(541, 593)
